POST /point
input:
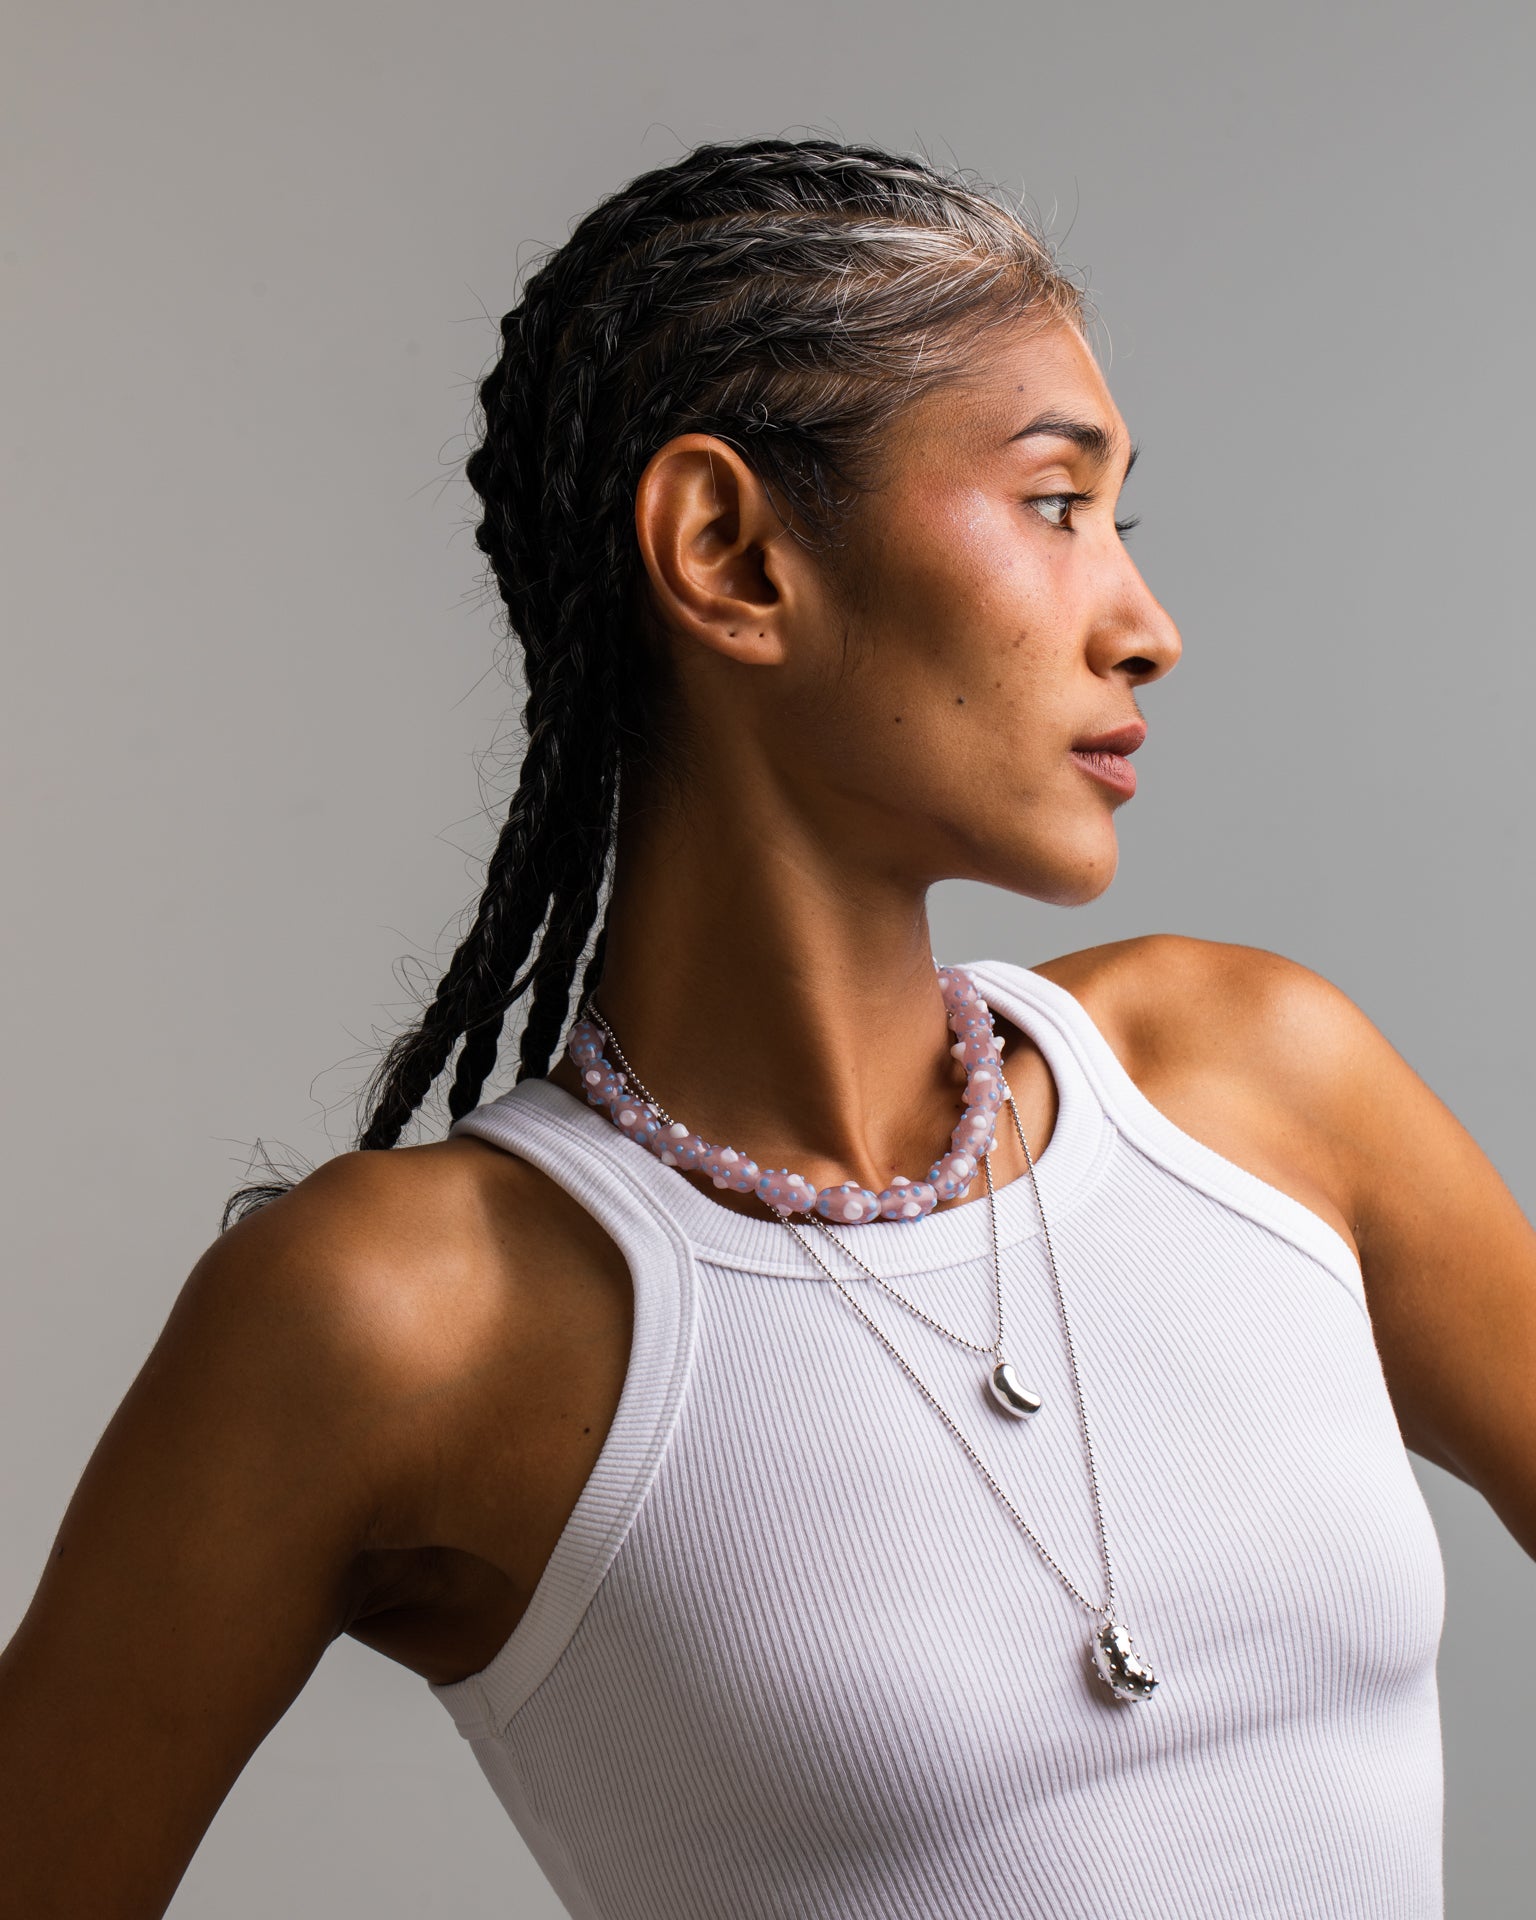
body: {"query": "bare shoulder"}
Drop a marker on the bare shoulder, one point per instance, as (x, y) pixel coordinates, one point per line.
(383, 1242)
(1255, 1054)
(424, 1286)
(1168, 995)
(401, 1262)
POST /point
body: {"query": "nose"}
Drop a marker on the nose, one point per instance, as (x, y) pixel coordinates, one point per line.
(1137, 635)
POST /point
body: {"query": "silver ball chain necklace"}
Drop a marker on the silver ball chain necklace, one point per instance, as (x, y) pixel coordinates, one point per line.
(1115, 1658)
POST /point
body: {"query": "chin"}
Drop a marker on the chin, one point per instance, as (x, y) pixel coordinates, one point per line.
(1078, 891)
(1060, 876)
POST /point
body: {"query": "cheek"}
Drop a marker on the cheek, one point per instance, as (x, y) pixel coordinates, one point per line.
(967, 663)
(959, 664)
(967, 599)
(950, 740)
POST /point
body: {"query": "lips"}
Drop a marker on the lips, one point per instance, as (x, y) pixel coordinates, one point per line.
(1120, 740)
(1104, 756)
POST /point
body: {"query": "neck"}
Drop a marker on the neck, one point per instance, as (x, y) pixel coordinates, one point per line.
(778, 998)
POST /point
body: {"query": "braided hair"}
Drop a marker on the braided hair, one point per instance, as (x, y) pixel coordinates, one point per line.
(787, 296)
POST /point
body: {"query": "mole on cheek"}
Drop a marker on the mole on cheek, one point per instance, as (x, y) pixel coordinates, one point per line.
(959, 699)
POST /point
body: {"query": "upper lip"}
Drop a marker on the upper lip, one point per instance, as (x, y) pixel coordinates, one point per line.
(1124, 739)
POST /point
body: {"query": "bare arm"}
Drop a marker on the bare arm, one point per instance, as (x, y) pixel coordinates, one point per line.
(208, 1556)
(1448, 1257)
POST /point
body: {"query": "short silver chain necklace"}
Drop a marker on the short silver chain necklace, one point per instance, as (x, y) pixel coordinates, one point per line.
(1114, 1655)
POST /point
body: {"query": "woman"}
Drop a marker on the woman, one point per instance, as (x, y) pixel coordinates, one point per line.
(798, 1514)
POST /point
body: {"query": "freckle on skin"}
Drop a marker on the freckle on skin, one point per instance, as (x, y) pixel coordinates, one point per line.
(959, 699)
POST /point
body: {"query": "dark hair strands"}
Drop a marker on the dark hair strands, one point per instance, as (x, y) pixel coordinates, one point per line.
(786, 296)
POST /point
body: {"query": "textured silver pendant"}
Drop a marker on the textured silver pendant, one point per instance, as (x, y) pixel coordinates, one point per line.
(1120, 1667)
(1010, 1393)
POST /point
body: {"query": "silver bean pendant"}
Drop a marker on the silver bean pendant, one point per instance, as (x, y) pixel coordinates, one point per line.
(1010, 1393)
(1120, 1667)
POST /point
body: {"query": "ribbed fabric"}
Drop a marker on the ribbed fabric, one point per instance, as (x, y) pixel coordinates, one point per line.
(791, 1657)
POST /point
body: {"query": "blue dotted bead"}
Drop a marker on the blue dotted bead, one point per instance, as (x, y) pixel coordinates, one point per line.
(675, 1146)
(586, 1044)
(727, 1167)
(906, 1199)
(850, 1203)
(601, 1084)
(636, 1118)
(790, 1192)
(952, 1174)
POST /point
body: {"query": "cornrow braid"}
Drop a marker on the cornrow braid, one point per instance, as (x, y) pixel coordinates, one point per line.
(786, 296)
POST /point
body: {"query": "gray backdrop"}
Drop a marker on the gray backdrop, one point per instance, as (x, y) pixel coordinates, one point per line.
(254, 256)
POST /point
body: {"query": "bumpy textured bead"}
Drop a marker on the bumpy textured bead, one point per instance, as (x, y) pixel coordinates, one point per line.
(677, 1146)
(636, 1118)
(955, 983)
(850, 1203)
(586, 1043)
(942, 1181)
(906, 1199)
(781, 1188)
(951, 1174)
(728, 1168)
(670, 1130)
(602, 1084)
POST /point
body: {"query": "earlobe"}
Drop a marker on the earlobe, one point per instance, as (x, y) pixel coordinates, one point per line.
(706, 526)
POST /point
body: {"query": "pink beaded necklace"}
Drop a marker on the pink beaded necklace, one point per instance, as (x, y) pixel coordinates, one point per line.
(675, 1145)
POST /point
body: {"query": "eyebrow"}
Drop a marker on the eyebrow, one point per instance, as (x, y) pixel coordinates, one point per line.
(1096, 441)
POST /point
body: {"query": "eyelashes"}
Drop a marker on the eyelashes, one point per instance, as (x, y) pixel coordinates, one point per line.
(1122, 527)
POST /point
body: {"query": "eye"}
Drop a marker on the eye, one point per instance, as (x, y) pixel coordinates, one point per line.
(1047, 504)
(1062, 504)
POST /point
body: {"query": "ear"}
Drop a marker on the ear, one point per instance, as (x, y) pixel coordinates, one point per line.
(724, 570)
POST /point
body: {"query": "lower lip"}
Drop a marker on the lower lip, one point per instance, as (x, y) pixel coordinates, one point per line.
(1113, 769)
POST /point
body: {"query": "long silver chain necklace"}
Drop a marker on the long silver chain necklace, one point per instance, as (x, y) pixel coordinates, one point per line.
(1115, 1658)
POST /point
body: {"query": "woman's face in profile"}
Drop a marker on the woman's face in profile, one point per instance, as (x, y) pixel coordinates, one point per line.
(989, 618)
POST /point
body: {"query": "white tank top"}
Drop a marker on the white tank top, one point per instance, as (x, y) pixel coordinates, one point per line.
(791, 1657)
